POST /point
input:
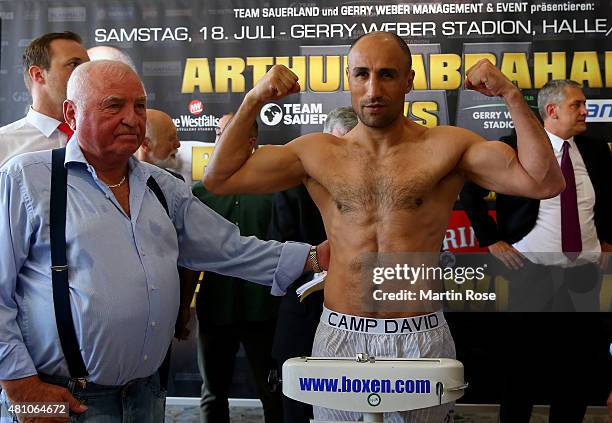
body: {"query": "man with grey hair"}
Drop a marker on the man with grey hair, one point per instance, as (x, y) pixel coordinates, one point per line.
(91, 323)
(48, 62)
(571, 229)
(339, 121)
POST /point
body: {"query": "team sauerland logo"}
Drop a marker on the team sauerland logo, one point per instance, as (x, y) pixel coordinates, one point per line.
(273, 114)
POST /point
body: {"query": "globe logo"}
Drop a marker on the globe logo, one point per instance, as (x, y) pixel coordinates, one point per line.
(271, 114)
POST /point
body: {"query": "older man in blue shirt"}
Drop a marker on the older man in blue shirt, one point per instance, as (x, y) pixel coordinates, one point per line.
(122, 251)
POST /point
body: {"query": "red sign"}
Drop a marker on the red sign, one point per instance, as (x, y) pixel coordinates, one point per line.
(196, 107)
(460, 234)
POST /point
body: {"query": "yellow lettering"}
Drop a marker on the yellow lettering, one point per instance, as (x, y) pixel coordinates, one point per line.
(260, 66)
(444, 71)
(421, 112)
(229, 69)
(324, 78)
(420, 78)
(585, 67)
(515, 67)
(608, 69)
(345, 73)
(200, 157)
(542, 67)
(196, 74)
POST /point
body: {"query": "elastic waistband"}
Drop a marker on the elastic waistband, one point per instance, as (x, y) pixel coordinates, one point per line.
(401, 326)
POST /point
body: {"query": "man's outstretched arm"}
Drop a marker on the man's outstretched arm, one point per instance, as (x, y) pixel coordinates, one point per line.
(233, 169)
(532, 171)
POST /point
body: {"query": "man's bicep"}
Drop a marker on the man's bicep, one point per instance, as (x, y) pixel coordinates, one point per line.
(270, 169)
(495, 166)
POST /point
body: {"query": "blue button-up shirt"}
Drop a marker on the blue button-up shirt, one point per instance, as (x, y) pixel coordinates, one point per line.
(124, 286)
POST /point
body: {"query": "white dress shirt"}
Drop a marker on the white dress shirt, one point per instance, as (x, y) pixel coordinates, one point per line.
(545, 237)
(34, 132)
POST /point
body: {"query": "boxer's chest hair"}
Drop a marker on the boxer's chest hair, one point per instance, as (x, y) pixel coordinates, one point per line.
(388, 188)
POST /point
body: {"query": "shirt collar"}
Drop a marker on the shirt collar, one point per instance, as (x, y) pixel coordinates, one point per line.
(74, 154)
(557, 142)
(45, 124)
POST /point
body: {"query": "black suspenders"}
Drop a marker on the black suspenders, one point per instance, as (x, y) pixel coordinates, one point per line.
(59, 265)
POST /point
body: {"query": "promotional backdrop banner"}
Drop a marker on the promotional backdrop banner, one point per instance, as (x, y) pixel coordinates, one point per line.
(198, 58)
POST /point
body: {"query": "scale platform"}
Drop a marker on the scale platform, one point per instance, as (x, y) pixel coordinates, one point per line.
(373, 385)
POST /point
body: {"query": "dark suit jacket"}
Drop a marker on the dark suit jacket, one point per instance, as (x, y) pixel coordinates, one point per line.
(295, 217)
(516, 216)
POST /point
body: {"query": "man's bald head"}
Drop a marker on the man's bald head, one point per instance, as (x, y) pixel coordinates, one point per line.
(380, 75)
(94, 75)
(156, 120)
(110, 53)
(107, 106)
(384, 37)
(161, 141)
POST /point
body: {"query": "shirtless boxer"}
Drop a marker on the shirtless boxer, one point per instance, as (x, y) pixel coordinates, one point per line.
(389, 186)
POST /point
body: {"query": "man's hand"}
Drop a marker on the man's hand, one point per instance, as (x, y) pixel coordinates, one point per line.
(507, 254)
(323, 254)
(485, 78)
(32, 389)
(277, 83)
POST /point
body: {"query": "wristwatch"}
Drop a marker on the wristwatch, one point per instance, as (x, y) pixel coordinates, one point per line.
(312, 258)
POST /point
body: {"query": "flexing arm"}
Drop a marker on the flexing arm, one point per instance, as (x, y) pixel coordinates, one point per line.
(233, 169)
(533, 170)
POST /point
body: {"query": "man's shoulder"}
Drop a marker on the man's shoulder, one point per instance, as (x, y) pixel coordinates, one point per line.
(316, 139)
(445, 133)
(28, 161)
(175, 174)
(15, 127)
(161, 176)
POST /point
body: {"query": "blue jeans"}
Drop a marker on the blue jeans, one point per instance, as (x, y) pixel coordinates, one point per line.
(138, 401)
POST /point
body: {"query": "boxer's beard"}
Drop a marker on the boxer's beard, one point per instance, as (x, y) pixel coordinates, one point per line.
(382, 120)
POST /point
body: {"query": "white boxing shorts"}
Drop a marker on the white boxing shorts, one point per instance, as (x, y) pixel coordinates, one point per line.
(343, 335)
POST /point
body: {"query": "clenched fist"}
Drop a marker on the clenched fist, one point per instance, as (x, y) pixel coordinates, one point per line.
(279, 82)
(485, 78)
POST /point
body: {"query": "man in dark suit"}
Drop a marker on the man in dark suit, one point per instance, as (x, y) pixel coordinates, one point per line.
(545, 354)
(295, 217)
